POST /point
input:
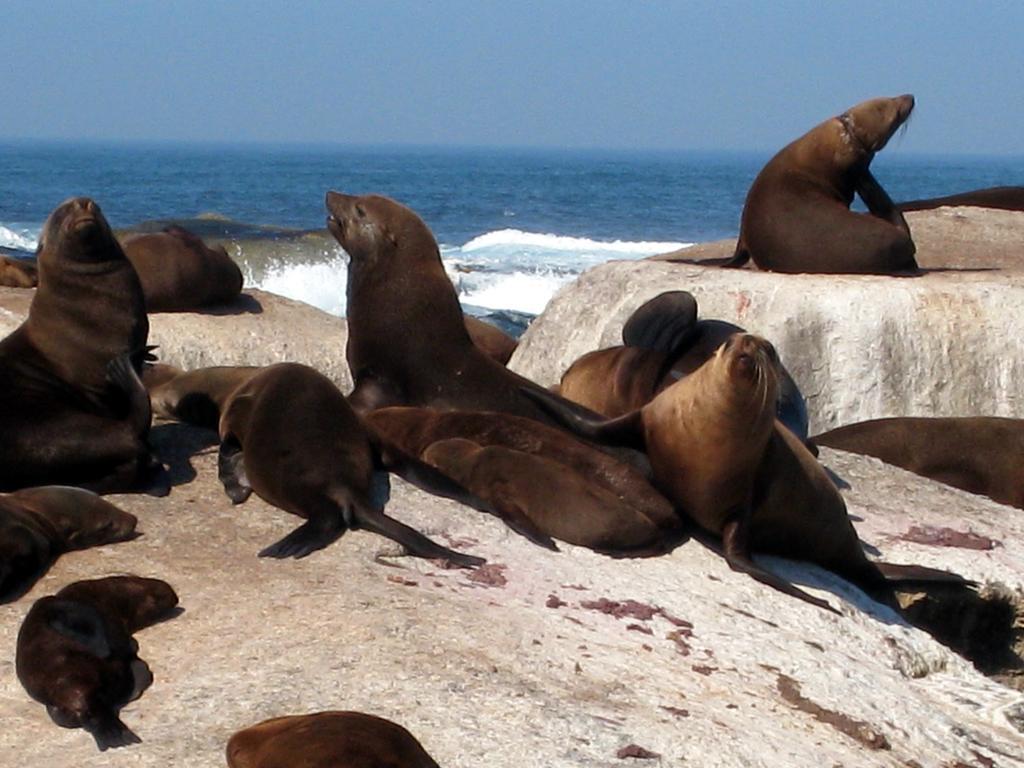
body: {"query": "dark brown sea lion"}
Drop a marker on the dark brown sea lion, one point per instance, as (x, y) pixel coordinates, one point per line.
(718, 452)
(289, 435)
(76, 655)
(18, 273)
(179, 272)
(1003, 198)
(407, 341)
(327, 740)
(979, 454)
(72, 409)
(542, 482)
(797, 215)
(37, 525)
(195, 396)
(490, 340)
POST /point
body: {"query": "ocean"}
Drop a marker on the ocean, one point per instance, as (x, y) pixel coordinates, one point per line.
(513, 225)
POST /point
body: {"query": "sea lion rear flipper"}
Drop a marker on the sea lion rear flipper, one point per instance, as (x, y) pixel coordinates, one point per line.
(626, 431)
(739, 258)
(130, 390)
(737, 554)
(110, 732)
(313, 535)
(666, 323)
(418, 545)
(231, 470)
(83, 624)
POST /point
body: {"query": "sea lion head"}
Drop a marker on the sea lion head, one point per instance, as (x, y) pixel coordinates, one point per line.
(77, 231)
(81, 518)
(372, 228)
(751, 365)
(869, 125)
(152, 599)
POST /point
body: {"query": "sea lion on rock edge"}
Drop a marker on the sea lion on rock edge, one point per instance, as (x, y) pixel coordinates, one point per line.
(75, 653)
(490, 339)
(37, 525)
(327, 740)
(289, 434)
(718, 452)
(979, 454)
(179, 272)
(797, 215)
(542, 482)
(72, 409)
(1002, 198)
(17, 273)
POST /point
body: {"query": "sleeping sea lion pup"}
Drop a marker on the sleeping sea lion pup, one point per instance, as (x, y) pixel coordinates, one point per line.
(1000, 198)
(289, 435)
(797, 215)
(37, 525)
(75, 653)
(327, 740)
(72, 409)
(179, 272)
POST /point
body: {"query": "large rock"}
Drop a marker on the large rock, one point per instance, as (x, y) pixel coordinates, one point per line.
(860, 347)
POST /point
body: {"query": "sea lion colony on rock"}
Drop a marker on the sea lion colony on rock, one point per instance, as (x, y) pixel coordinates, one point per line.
(464, 427)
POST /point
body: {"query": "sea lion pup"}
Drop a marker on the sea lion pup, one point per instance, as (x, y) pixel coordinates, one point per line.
(718, 452)
(289, 435)
(490, 339)
(37, 525)
(663, 342)
(407, 341)
(542, 482)
(72, 409)
(179, 272)
(17, 273)
(1001, 198)
(195, 397)
(75, 653)
(979, 454)
(797, 215)
(327, 740)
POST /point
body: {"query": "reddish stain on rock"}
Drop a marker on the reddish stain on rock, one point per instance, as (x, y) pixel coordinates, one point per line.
(700, 669)
(679, 636)
(403, 581)
(676, 711)
(555, 602)
(640, 628)
(459, 543)
(948, 537)
(858, 730)
(620, 609)
(637, 752)
(490, 575)
(577, 587)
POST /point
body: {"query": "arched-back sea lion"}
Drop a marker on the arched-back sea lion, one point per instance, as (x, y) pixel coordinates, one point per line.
(979, 454)
(717, 450)
(542, 482)
(179, 272)
(797, 215)
(407, 341)
(1002, 198)
(75, 653)
(327, 740)
(289, 434)
(18, 273)
(37, 525)
(72, 409)
(490, 339)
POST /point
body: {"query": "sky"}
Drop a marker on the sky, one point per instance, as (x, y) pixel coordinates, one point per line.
(555, 73)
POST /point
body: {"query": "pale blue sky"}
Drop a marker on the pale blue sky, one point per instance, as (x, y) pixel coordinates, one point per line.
(659, 75)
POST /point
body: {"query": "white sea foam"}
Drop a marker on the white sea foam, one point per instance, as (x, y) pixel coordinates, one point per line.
(24, 238)
(321, 284)
(506, 238)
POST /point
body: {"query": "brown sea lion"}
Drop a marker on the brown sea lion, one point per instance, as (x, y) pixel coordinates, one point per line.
(72, 409)
(542, 482)
(797, 215)
(1002, 198)
(490, 340)
(18, 273)
(289, 435)
(327, 740)
(718, 452)
(37, 525)
(76, 655)
(407, 341)
(179, 272)
(195, 396)
(979, 454)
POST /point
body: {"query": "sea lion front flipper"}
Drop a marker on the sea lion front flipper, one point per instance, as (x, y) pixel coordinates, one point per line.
(665, 323)
(109, 732)
(231, 470)
(736, 546)
(416, 543)
(83, 624)
(313, 535)
(878, 201)
(626, 431)
(130, 390)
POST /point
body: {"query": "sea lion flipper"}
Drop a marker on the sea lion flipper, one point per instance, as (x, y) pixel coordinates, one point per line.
(665, 323)
(126, 383)
(739, 257)
(109, 732)
(415, 542)
(231, 470)
(626, 431)
(878, 201)
(313, 535)
(83, 624)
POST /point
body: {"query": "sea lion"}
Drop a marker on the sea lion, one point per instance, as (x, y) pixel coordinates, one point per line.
(719, 453)
(179, 272)
(195, 396)
(18, 273)
(72, 409)
(979, 454)
(37, 525)
(1002, 198)
(327, 740)
(407, 341)
(75, 653)
(542, 482)
(289, 435)
(797, 215)
(490, 340)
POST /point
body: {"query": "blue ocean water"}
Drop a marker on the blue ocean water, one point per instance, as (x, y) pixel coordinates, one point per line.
(514, 225)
